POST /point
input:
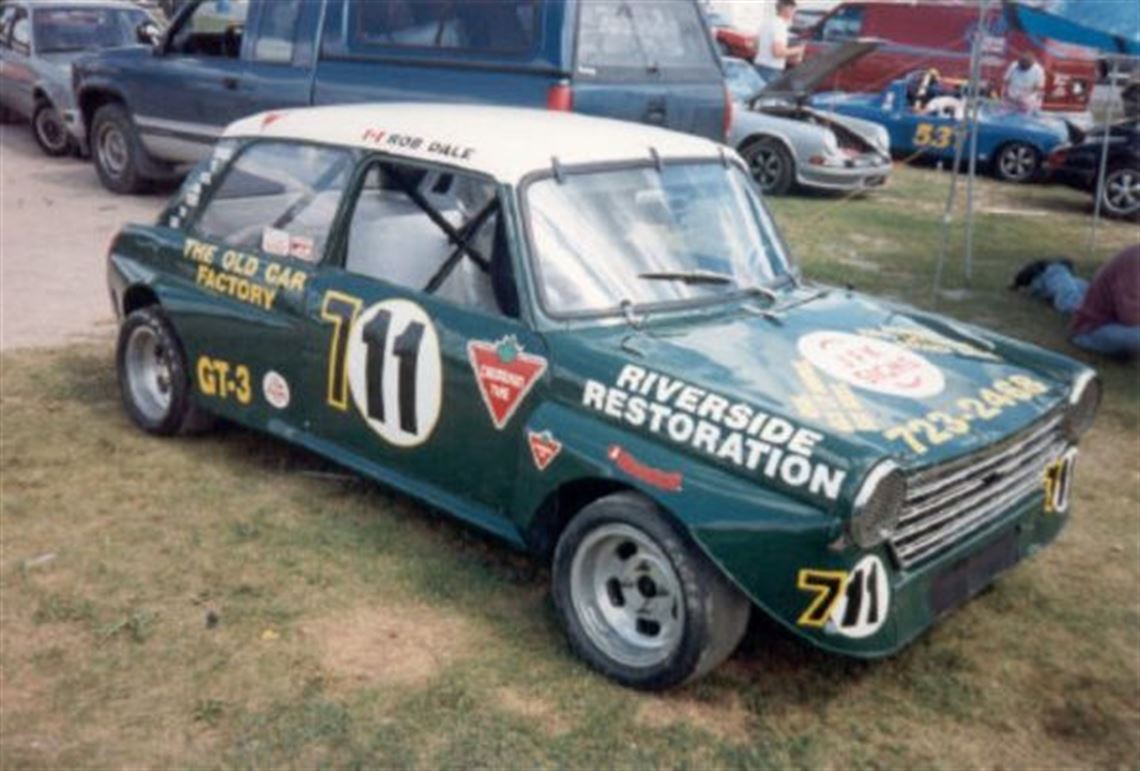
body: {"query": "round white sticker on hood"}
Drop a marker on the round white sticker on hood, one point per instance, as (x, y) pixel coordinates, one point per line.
(872, 364)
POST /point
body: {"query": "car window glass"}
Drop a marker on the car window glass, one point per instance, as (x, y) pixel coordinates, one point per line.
(845, 23)
(60, 30)
(215, 28)
(641, 34)
(405, 225)
(21, 32)
(7, 15)
(275, 31)
(507, 26)
(279, 197)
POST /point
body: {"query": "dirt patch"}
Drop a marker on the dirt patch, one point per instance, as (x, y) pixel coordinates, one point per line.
(727, 719)
(403, 645)
(532, 708)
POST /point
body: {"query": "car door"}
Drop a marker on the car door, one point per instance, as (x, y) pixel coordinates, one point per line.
(421, 372)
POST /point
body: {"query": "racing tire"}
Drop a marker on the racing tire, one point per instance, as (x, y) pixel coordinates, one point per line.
(622, 550)
(117, 150)
(771, 165)
(154, 376)
(1017, 162)
(1120, 196)
(50, 132)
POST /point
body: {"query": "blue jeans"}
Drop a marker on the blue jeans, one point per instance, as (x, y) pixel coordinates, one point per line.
(766, 73)
(1066, 292)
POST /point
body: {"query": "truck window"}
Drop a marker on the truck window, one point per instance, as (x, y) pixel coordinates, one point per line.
(844, 24)
(215, 28)
(642, 36)
(279, 198)
(483, 26)
(275, 31)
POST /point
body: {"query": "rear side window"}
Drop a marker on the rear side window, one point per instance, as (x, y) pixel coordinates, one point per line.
(21, 36)
(7, 16)
(276, 29)
(844, 24)
(640, 36)
(481, 26)
(277, 197)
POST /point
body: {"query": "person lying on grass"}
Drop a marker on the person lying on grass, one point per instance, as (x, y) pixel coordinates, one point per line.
(1106, 312)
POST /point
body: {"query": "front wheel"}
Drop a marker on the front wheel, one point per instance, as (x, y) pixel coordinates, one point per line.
(639, 603)
(1017, 162)
(50, 132)
(1120, 196)
(771, 166)
(154, 377)
(117, 150)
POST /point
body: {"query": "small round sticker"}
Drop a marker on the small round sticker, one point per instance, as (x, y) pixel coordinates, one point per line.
(276, 389)
(872, 364)
(395, 372)
(866, 601)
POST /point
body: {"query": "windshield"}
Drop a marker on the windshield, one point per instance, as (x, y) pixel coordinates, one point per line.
(688, 233)
(79, 29)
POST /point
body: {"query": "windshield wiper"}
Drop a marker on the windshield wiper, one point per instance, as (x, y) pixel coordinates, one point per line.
(688, 276)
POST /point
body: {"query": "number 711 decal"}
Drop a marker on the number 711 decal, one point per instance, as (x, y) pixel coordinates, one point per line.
(853, 604)
(1059, 482)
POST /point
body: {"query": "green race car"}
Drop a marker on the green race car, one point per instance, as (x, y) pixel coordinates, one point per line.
(588, 338)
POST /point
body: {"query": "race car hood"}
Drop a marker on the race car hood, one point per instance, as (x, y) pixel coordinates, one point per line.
(803, 79)
(858, 372)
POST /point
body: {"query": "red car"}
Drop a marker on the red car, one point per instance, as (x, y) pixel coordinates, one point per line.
(938, 35)
(732, 41)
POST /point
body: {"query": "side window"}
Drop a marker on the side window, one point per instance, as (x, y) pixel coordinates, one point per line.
(483, 26)
(435, 232)
(844, 24)
(279, 197)
(215, 28)
(21, 40)
(642, 35)
(7, 16)
(276, 30)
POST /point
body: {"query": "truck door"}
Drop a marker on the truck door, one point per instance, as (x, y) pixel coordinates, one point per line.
(281, 55)
(649, 61)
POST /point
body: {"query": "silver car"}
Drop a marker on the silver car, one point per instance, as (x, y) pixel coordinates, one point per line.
(39, 40)
(789, 144)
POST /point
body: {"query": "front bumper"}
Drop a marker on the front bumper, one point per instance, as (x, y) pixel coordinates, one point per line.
(861, 172)
(787, 574)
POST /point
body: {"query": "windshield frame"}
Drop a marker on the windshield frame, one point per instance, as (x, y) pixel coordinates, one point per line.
(536, 286)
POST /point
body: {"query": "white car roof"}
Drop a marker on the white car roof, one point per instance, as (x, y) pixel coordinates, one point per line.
(506, 143)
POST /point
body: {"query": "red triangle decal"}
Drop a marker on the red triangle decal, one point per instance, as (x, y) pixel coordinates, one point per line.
(505, 375)
(544, 448)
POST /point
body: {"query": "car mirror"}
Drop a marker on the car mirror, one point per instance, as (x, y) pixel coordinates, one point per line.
(149, 34)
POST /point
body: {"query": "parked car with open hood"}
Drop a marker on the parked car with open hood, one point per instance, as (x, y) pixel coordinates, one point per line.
(586, 337)
(922, 116)
(1078, 165)
(39, 42)
(788, 143)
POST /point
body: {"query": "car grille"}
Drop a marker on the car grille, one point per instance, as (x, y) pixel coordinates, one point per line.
(947, 503)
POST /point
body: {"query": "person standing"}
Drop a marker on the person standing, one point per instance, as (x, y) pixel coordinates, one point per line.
(1105, 312)
(773, 54)
(1023, 86)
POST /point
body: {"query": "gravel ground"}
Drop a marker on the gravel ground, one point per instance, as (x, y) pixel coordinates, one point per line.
(56, 221)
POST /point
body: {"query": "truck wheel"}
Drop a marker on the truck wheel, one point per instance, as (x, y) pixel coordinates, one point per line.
(50, 133)
(771, 165)
(637, 601)
(117, 150)
(1121, 194)
(154, 378)
(1017, 162)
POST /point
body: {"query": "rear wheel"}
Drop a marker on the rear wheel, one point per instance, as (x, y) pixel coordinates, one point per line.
(1121, 194)
(117, 150)
(1017, 162)
(771, 166)
(50, 132)
(639, 603)
(154, 378)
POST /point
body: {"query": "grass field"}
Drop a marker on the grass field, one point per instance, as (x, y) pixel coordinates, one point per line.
(227, 601)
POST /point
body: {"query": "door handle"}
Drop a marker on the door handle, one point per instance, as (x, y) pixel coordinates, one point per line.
(230, 83)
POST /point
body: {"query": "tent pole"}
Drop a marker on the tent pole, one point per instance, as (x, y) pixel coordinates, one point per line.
(973, 107)
(1103, 166)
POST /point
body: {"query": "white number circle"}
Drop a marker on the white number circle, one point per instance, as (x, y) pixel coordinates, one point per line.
(395, 372)
(866, 600)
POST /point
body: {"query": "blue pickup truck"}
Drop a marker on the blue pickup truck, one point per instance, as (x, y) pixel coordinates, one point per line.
(150, 111)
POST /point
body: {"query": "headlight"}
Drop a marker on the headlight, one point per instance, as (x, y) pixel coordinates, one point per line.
(1084, 400)
(878, 505)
